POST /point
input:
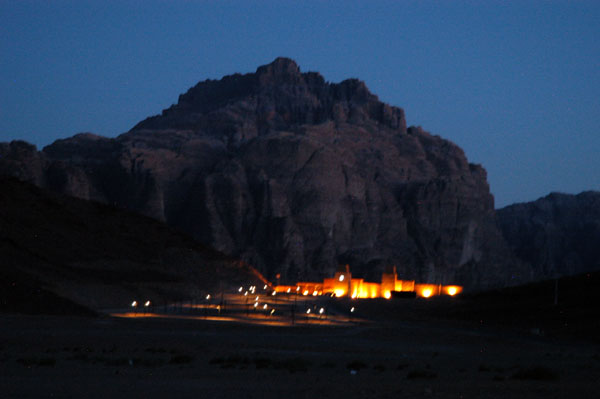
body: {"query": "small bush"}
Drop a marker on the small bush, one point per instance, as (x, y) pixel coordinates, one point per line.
(43, 362)
(328, 365)
(293, 365)
(417, 374)
(538, 373)
(261, 362)
(356, 365)
(181, 359)
(379, 367)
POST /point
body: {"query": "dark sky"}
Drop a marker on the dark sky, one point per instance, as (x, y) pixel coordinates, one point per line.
(515, 84)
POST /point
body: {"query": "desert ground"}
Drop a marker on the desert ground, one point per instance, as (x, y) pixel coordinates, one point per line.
(387, 351)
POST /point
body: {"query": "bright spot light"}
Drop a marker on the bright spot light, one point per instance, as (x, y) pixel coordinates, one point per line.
(339, 292)
(255, 304)
(341, 277)
(256, 298)
(315, 293)
(246, 293)
(305, 292)
(208, 297)
(321, 311)
(265, 306)
(265, 287)
(387, 295)
(427, 292)
(352, 309)
(354, 295)
(307, 311)
(241, 289)
(273, 293)
(133, 304)
(297, 288)
(452, 291)
(272, 311)
(288, 290)
(147, 304)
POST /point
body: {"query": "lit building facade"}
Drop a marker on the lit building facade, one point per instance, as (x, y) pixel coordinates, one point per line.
(342, 284)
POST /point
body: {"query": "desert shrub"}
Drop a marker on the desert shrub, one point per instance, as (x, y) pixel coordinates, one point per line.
(293, 365)
(379, 367)
(420, 374)
(538, 373)
(47, 361)
(155, 362)
(44, 362)
(181, 359)
(120, 361)
(261, 362)
(356, 365)
(230, 361)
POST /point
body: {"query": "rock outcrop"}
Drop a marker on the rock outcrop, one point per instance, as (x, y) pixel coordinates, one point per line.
(293, 175)
(558, 234)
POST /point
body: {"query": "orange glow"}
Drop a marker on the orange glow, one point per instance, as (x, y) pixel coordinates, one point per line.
(344, 285)
(452, 290)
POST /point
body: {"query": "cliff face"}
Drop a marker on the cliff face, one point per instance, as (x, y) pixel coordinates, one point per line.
(558, 234)
(293, 175)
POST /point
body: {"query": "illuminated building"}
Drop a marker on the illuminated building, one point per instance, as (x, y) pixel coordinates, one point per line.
(343, 284)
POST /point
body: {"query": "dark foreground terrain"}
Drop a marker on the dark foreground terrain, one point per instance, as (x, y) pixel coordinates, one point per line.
(411, 355)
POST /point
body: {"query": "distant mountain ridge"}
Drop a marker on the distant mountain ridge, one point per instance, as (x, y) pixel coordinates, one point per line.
(294, 175)
(558, 234)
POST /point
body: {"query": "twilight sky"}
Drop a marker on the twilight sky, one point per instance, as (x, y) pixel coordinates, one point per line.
(515, 84)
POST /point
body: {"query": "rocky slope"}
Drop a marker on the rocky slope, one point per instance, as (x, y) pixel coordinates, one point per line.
(57, 251)
(558, 234)
(293, 175)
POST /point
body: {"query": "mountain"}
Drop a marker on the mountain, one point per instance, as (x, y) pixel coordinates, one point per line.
(294, 175)
(557, 234)
(61, 254)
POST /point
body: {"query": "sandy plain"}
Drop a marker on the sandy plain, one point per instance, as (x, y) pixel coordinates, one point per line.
(384, 357)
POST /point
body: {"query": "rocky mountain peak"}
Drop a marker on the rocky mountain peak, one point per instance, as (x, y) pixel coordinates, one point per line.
(276, 96)
(281, 69)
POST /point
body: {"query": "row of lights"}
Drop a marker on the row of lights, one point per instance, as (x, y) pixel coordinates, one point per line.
(135, 304)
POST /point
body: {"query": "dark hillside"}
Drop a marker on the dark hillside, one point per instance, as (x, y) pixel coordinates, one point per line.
(96, 255)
